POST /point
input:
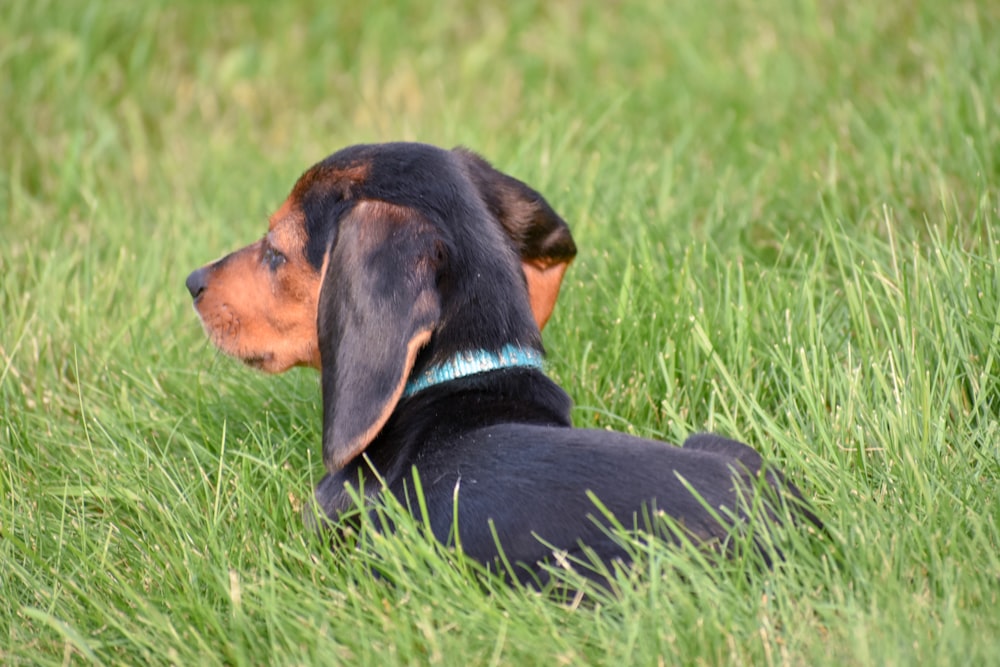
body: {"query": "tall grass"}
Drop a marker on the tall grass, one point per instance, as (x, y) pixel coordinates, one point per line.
(788, 219)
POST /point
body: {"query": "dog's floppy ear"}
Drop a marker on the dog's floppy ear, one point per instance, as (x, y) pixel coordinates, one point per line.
(540, 236)
(378, 305)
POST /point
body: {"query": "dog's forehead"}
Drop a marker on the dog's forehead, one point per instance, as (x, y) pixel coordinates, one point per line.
(286, 226)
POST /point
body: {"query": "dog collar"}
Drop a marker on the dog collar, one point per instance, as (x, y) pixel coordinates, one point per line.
(472, 363)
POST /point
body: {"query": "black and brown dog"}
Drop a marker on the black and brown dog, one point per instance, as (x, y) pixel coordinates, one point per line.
(417, 280)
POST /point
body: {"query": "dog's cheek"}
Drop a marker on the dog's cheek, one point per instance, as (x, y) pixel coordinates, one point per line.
(286, 332)
(298, 313)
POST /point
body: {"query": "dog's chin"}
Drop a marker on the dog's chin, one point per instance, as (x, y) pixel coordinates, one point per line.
(271, 363)
(258, 362)
(266, 362)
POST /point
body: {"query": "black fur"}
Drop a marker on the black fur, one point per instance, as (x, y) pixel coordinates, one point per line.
(416, 259)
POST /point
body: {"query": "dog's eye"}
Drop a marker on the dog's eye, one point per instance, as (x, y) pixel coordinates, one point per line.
(273, 258)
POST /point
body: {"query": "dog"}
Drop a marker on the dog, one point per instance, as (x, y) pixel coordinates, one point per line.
(417, 280)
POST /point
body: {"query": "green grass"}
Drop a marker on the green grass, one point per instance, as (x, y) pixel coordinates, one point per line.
(789, 220)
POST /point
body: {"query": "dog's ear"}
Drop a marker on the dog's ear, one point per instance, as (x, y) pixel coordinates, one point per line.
(378, 306)
(540, 236)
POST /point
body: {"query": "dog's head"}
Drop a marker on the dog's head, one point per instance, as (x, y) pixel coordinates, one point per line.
(380, 255)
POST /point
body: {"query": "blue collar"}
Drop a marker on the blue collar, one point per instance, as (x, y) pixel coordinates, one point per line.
(472, 363)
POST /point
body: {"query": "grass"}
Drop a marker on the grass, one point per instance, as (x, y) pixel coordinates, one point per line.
(788, 219)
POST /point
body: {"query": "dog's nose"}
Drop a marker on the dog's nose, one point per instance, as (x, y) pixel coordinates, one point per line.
(196, 282)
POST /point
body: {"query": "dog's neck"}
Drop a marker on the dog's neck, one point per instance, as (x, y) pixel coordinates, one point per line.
(472, 363)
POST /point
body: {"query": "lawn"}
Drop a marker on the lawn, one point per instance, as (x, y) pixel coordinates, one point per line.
(788, 215)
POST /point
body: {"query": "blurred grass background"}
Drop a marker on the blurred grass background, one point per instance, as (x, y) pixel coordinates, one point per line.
(787, 212)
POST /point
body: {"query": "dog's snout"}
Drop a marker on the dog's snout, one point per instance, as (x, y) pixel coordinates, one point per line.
(196, 282)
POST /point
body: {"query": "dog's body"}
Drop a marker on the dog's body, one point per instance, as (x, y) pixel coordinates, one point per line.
(417, 264)
(534, 488)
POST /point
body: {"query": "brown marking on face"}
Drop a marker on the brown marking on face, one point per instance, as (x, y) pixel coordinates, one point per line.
(259, 304)
(544, 280)
(324, 179)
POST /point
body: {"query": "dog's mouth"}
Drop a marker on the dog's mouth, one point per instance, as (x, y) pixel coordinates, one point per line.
(224, 331)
